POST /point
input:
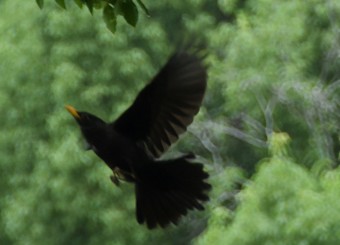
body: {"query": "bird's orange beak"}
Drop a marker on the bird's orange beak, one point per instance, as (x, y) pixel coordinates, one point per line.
(73, 111)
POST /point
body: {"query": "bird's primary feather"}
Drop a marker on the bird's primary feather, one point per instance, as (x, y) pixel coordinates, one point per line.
(167, 105)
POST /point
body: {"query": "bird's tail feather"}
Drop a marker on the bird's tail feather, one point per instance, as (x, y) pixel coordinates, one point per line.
(166, 190)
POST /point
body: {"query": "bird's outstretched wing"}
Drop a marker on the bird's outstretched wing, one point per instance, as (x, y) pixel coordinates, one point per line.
(167, 105)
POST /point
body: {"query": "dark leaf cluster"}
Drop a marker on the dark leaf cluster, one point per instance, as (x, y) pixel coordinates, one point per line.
(111, 9)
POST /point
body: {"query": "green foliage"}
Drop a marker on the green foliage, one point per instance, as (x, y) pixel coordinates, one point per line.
(129, 11)
(283, 204)
(268, 131)
(110, 9)
(264, 64)
(40, 3)
(110, 18)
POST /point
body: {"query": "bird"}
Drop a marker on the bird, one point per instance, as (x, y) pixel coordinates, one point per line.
(132, 145)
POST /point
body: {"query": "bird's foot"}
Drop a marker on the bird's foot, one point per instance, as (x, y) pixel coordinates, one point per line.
(116, 177)
(115, 180)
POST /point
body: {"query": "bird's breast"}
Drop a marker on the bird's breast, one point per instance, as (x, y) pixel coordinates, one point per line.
(120, 152)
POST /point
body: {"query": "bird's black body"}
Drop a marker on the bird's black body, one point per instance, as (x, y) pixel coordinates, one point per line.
(116, 150)
(130, 146)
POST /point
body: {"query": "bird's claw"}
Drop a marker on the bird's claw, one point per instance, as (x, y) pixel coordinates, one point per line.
(115, 180)
(116, 177)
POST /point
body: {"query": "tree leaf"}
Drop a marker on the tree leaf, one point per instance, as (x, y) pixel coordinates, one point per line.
(79, 3)
(130, 12)
(142, 5)
(113, 2)
(61, 3)
(89, 5)
(110, 18)
(40, 3)
(99, 4)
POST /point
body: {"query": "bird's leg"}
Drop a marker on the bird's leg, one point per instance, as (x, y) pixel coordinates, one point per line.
(115, 179)
(119, 174)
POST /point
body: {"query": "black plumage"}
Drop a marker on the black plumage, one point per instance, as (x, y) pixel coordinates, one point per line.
(131, 145)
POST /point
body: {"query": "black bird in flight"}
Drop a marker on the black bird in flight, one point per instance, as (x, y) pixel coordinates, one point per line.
(131, 145)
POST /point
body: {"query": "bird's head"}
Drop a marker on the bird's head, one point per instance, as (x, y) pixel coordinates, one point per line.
(85, 119)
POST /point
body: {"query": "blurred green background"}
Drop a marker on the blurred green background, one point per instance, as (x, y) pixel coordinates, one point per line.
(268, 132)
